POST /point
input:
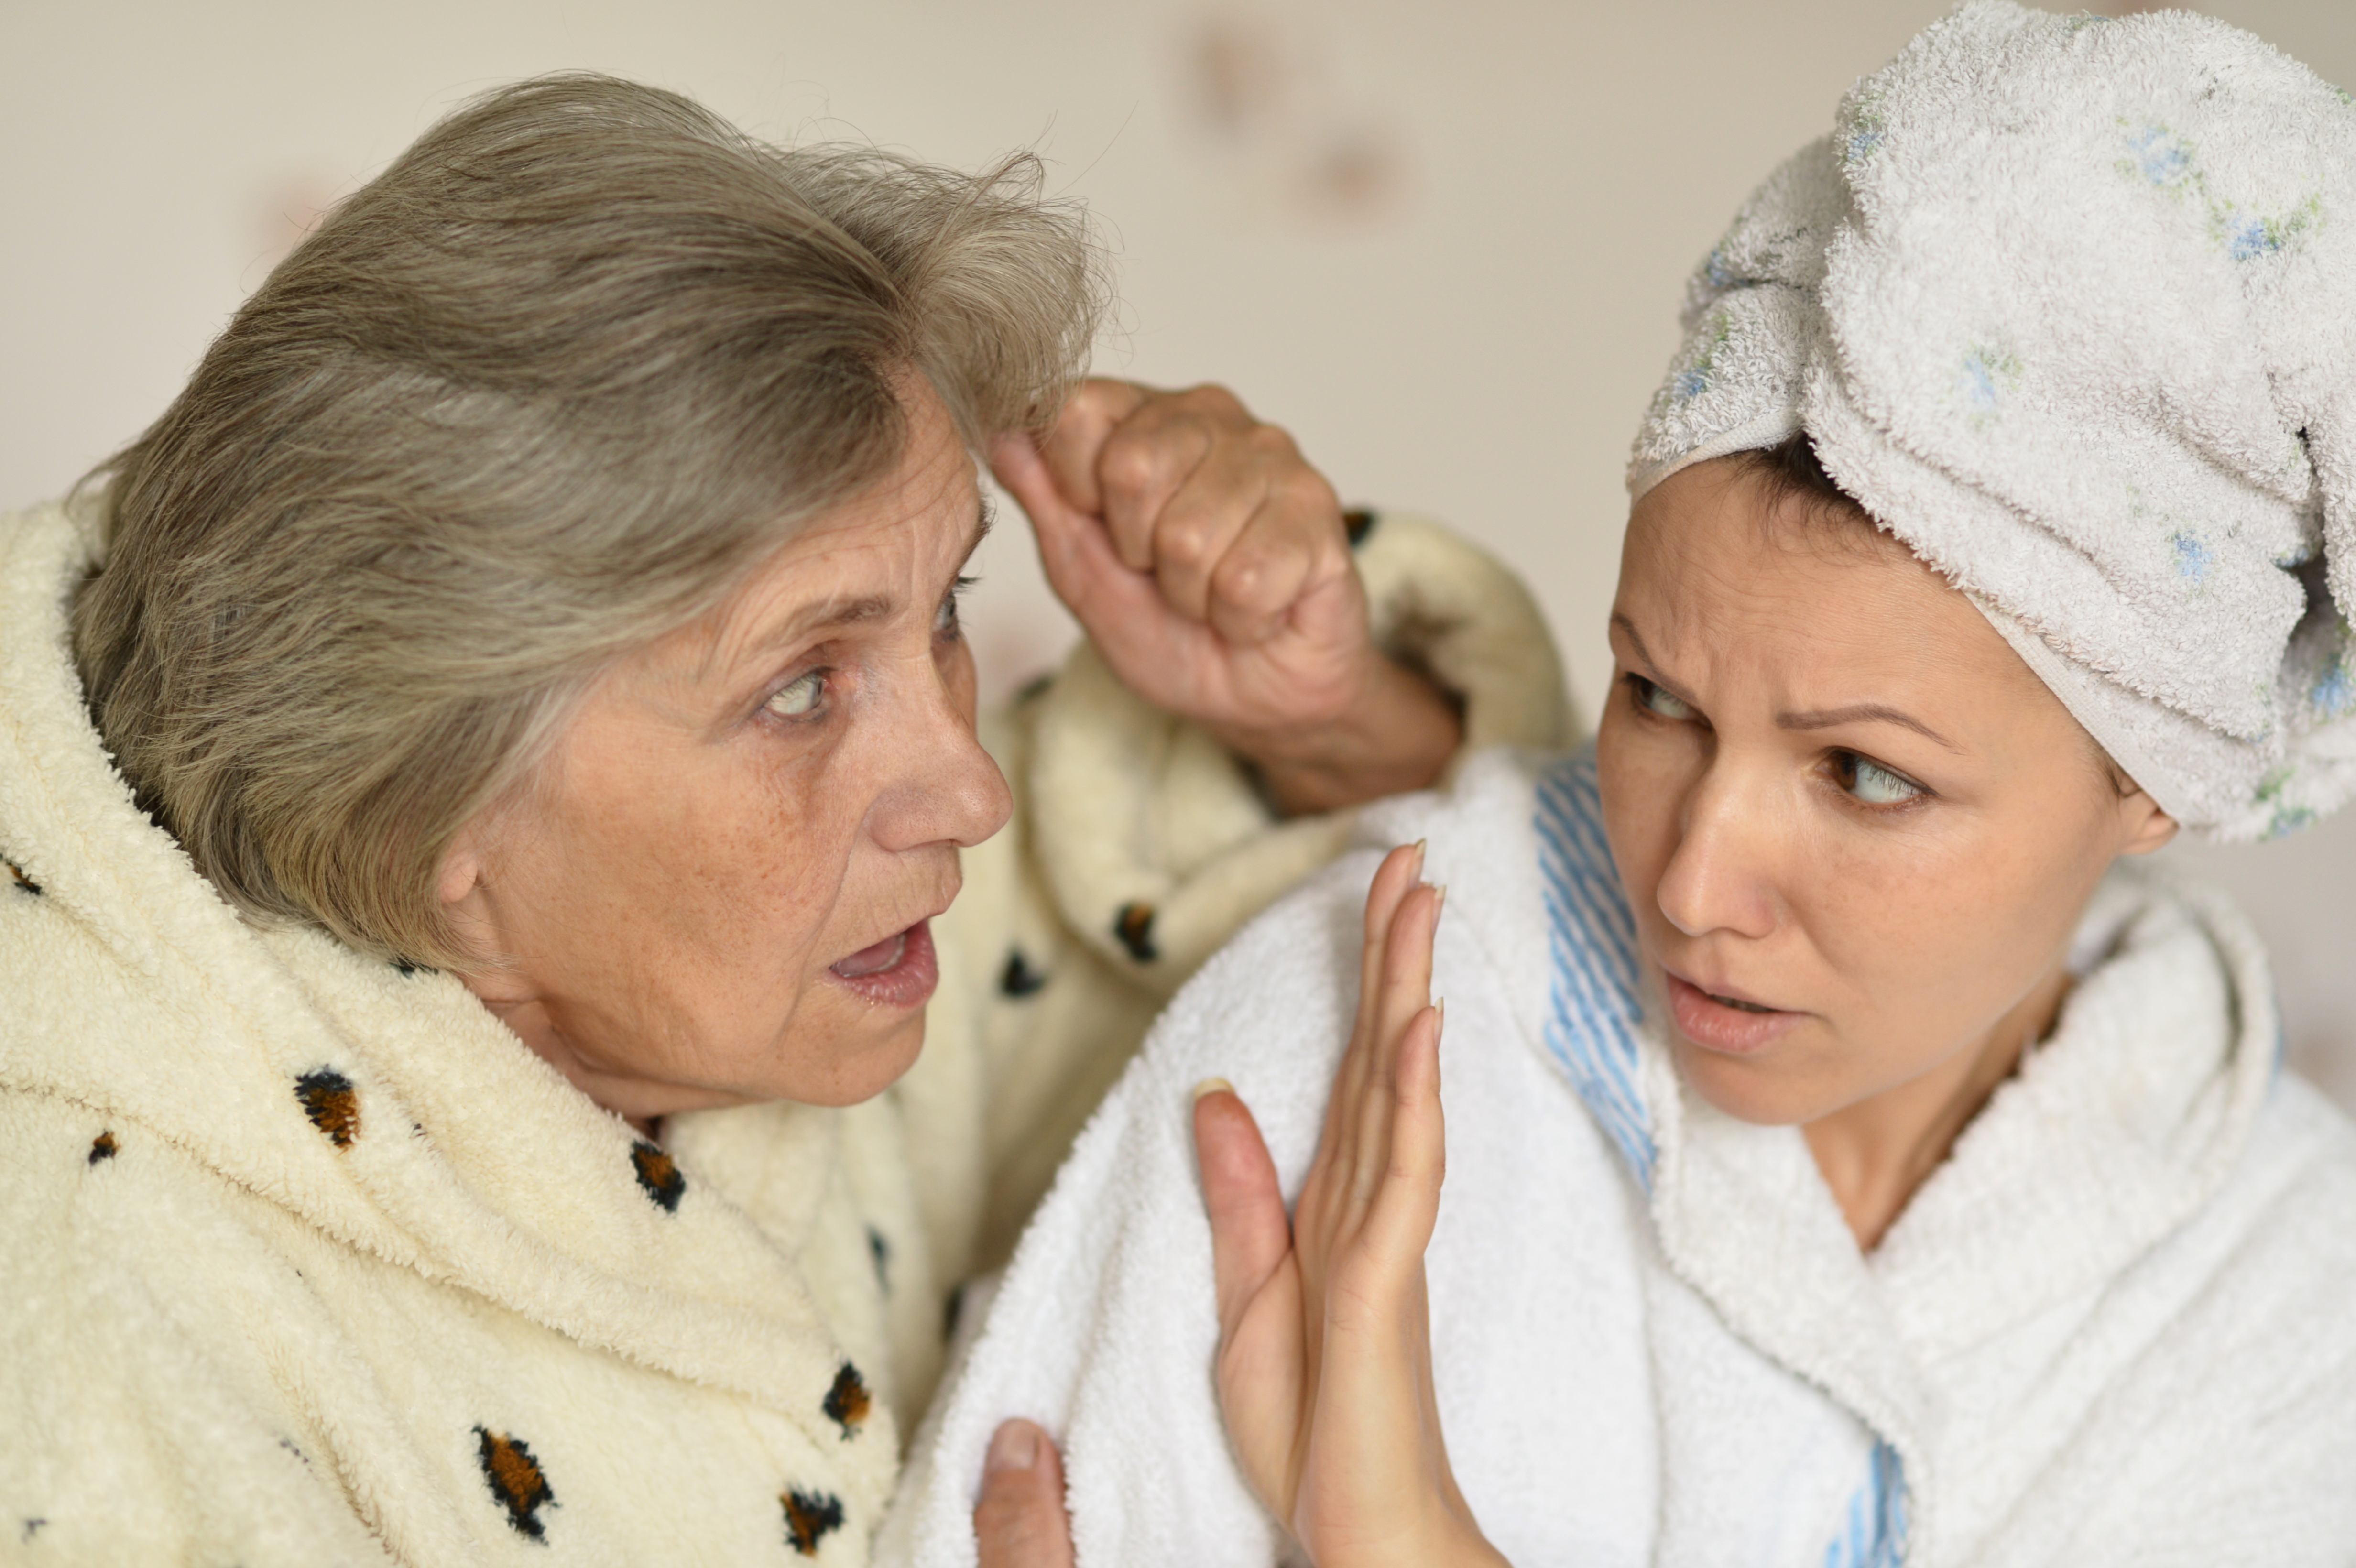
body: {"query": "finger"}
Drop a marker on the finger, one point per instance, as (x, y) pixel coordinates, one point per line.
(1249, 1232)
(1392, 878)
(1405, 992)
(1020, 1521)
(1291, 546)
(1071, 449)
(1243, 470)
(1406, 1201)
(1145, 461)
(1074, 549)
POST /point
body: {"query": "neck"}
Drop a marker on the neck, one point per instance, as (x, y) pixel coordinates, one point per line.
(1876, 1153)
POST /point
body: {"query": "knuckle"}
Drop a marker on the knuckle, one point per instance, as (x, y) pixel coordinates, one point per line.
(1211, 398)
(1188, 541)
(1127, 463)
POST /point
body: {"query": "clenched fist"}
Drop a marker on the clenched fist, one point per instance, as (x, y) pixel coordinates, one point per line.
(1208, 562)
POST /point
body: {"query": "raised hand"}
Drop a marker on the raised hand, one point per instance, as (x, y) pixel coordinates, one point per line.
(1325, 1369)
(1208, 562)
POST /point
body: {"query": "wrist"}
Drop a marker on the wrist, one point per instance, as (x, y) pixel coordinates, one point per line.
(1396, 732)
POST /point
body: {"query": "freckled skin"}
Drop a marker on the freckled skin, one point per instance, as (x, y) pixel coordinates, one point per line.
(672, 893)
(1924, 945)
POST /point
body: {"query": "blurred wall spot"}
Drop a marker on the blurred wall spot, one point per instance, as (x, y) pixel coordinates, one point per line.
(1276, 128)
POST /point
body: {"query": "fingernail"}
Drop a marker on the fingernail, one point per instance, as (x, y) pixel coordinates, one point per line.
(1439, 899)
(1420, 845)
(1015, 1448)
(1439, 1017)
(1213, 1086)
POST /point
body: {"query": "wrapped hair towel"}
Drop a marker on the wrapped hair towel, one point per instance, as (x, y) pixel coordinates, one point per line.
(2068, 305)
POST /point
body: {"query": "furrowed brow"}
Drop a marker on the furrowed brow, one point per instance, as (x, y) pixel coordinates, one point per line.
(1860, 713)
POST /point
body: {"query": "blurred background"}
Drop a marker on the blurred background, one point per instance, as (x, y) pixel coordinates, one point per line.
(1443, 242)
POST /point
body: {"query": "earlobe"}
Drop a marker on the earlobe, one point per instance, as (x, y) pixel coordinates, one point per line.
(2148, 826)
(461, 872)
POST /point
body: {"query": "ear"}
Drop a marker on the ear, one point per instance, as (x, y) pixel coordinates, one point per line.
(2145, 826)
(461, 873)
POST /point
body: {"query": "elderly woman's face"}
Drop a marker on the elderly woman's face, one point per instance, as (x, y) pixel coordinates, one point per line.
(1856, 832)
(717, 889)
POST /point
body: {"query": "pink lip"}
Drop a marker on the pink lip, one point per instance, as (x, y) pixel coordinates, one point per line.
(1712, 1025)
(900, 971)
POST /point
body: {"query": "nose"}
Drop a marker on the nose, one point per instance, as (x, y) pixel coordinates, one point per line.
(945, 788)
(1719, 876)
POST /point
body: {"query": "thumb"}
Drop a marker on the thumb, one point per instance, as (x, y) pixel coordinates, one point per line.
(1250, 1235)
(1020, 1521)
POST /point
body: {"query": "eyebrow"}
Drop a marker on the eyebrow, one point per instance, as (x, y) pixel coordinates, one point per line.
(831, 614)
(1813, 719)
(1860, 713)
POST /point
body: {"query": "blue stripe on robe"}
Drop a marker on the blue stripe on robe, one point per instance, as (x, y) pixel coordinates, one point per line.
(1592, 1033)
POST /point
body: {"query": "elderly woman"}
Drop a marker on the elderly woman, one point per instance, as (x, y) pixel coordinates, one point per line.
(1857, 1153)
(483, 783)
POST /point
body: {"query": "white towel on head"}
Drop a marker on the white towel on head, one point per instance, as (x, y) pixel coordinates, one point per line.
(2070, 305)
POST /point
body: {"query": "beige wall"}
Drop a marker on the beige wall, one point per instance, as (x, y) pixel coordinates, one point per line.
(1442, 240)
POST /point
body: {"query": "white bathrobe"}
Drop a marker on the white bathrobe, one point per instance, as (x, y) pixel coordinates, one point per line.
(2118, 1326)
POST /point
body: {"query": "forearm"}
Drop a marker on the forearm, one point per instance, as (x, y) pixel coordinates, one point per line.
(1397, 733)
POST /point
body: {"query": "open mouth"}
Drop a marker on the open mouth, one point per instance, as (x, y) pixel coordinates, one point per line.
(900, 971)
(1723, 1023)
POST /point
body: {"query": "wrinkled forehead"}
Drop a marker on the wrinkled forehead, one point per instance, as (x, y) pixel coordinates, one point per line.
(1721, 573)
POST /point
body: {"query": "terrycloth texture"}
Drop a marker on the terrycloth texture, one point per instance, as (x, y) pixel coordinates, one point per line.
(1139, 846)
(309, 1261)
(2112, 1328)
(2070, 305)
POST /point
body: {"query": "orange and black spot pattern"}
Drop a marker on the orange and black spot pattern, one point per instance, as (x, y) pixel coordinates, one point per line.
(1134, 927)
(101, 1148)
(16, 878)
(332, 1103)
(516, 1480)
(658, 1174)
(848, 1402)
(810, 1517)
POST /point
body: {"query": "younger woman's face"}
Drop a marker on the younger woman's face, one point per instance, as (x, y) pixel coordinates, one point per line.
(1856, 832)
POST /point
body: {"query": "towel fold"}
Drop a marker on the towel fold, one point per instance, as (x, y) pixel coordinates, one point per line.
(2068, 305)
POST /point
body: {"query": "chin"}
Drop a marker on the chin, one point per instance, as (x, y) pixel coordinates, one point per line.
(1749, 1089)
(866, 1067)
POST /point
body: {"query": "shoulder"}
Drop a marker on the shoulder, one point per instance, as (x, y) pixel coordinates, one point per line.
(140, 1303)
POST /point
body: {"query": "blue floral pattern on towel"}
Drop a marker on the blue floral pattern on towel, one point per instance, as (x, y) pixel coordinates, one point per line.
(1595, 1008)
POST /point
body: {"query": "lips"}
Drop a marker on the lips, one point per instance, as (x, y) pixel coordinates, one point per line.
(900, 971)
(1716, 1022)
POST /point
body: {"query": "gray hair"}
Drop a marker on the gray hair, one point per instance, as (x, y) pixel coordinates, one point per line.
(548, 387)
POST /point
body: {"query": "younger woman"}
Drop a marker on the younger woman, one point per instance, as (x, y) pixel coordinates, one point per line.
(1860, 1154)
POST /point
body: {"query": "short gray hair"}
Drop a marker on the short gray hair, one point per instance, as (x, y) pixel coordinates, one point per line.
(548, 387)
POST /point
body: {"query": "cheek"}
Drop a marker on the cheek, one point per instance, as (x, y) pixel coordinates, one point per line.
(1642, 777)
(1937, 935)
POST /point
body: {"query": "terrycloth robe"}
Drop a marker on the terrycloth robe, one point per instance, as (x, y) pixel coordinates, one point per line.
(309, 1261)
(2117, 1325)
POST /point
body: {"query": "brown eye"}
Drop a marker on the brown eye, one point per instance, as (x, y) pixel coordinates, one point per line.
(1875, 784)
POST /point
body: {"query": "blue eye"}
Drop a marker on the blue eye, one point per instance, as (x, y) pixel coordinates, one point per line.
(1652, 700)
(1874, 784)
(800, 698)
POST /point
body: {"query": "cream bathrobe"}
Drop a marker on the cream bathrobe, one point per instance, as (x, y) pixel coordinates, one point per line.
(2117, 1325)
(310, 1262)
